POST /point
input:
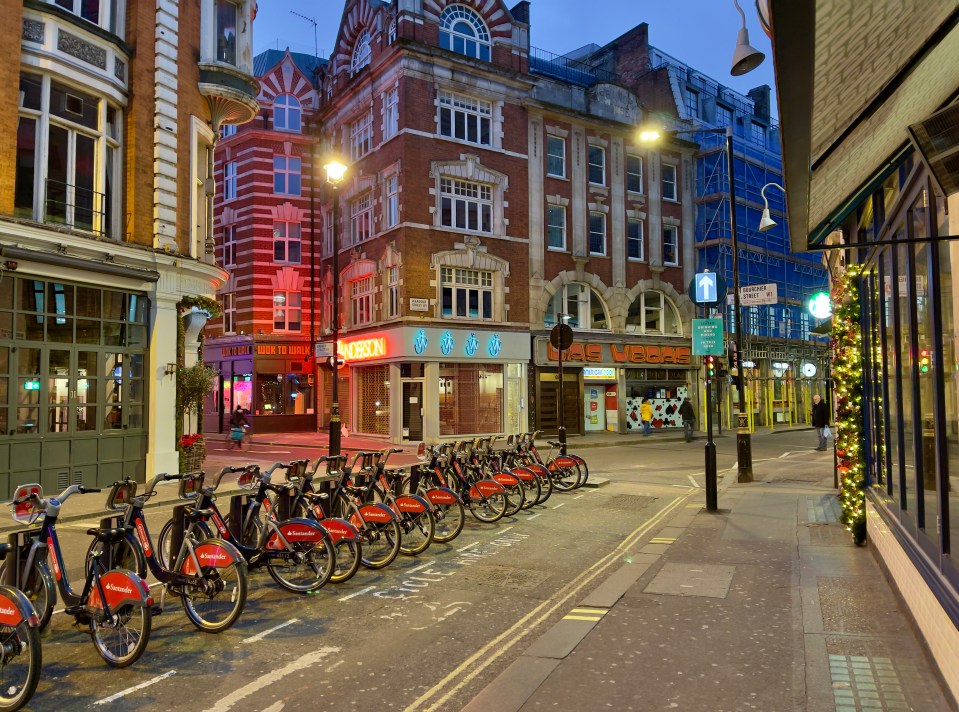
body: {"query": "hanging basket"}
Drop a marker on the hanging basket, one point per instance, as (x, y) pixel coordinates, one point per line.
(192, 453)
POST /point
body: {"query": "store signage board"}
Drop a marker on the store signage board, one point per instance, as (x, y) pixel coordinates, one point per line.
(432, 344)
(758, 294)
(708, 337)
(599, 374)
(419, 304)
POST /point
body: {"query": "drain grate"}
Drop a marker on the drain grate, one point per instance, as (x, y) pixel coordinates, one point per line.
(823, 509)
(628, 502)
(862, 683)
(506, 576)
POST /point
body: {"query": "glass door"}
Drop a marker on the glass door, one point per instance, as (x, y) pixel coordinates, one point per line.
(412, 410)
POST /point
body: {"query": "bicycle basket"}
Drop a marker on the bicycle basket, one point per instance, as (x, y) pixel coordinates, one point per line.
(121, 494)
(26, 512)
(191, 485)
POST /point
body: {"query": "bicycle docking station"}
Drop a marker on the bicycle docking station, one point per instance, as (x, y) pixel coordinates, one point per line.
(19, 542)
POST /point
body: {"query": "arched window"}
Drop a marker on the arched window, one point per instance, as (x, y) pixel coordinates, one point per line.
(464, 32)
(286, 113)
(361, 53)
(653, 313)
(581, 303)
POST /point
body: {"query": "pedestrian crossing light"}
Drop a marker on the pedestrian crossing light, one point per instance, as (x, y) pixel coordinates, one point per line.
(924, 361)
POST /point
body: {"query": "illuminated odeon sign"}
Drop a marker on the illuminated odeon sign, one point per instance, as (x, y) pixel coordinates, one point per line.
(362, 350)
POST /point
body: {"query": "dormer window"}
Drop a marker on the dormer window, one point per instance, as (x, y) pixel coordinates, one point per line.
(361, 53)
(286, 113)
(464, 32)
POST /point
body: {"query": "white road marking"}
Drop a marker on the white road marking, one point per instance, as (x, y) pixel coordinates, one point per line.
(503, 531)
(561, 504)
(695, 483)
(419, 568)
(579, 496)
(785, 454)
(681, 486)
(335, 665)
(275, 707)
(124, 693)
(538, 514)
(467, 547)
(260, 636)
(358, 593)
(271, 678)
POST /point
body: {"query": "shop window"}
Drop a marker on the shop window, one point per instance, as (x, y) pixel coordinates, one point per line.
(556, 227)
(463, 31)
(670, 245)
(654, 313)
(287, 242)
(670, 191)
(282, 394)
(555, 157)
(597, 165)
(465, 205)
(362, 53)
(578, 305)
(466, 293)
(286, 175)
(465, 118)
(471, 398)
(287, 113)
(391, 113)
(634, 173)
(361, 301)
(361, 219)
(287, 311)
(67, 160)
(372, 400)
(361, 136)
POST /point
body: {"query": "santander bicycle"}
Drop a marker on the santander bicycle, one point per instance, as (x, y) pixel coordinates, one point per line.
(20, 653)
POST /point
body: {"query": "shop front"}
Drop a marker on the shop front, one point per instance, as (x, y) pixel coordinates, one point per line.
(424, 383)
(271, 380)
(605, 383)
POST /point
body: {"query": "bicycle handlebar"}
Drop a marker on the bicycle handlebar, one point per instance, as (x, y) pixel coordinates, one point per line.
(161, 477)
(43, 502)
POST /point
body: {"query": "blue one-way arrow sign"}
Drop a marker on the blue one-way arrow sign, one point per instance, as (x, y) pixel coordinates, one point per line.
(707, 288)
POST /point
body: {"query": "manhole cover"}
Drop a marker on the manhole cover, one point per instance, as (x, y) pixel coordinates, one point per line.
(506, 576)
(627, 502)
(828, 535)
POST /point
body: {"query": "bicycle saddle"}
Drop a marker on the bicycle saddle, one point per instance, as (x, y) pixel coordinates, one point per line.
(108, 535)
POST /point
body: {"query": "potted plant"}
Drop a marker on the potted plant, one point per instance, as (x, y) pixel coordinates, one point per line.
(192, 452)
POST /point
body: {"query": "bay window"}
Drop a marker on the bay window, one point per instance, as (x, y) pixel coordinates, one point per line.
(108, 14)
(227, 14)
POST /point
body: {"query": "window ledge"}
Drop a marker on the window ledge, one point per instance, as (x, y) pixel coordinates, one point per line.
(556, 177)
(671, 200)
(557, 249)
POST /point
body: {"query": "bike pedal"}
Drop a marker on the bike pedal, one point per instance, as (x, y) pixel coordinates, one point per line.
(156, 610)
(73, 610)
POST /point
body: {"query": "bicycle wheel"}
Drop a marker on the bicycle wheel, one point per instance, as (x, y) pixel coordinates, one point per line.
(583, 469)
(348, 557)
(19, 664)
(488, 508)
(215, 604)
(533, 489)
(127, 553)
(545, 483)
(165, 542)
(515, 497)
(40, 589)
(564, 477)
(450, 520)
(381, 543)
(419, 530)
(309, 570)
(122, 638)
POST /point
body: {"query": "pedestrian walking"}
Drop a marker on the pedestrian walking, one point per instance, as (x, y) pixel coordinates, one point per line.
(239, 424)
(688, 415)
(646, 415)
(820, 420)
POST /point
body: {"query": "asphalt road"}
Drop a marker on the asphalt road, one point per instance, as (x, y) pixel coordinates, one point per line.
(425, 633)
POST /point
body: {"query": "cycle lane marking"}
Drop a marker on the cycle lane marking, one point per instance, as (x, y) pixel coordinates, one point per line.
(561, 504)
(260, 636)
(271, 678)
(358, 593)
(508, 638)
(135, 688)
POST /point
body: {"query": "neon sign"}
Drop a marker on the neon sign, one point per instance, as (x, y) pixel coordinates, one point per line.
(362, 350)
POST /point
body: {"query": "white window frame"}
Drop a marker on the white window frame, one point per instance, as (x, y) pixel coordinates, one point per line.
(391, 113)
(665, 306)
(362, 52)
(476, 43)
(570, 297)
(287, 168)
(391, 206)
(600, 152)
(227, 130)
(361, 136)
(287, 113)
(461, 201)
(636, 176)
(632, 239)
(229, 245)
(229, 313)
(672, 230)
(464, 285)
(593, 214)
(464, 117)
(670, 181)
(553, 211)
(288, 304)
(551, 156)
(288, 237)
(361, 218)
(229, 180)
(110, 15)
(393, 286)
(361, 301)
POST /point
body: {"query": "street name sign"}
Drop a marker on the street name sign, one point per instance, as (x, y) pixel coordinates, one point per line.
(707, 337)
(757, 294)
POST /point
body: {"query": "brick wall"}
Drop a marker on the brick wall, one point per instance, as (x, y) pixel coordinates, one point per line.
(10, 28)
(138, 138)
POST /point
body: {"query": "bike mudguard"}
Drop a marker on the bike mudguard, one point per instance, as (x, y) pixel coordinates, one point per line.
(564, 461)
(121, 588)
(295, 530)
(507, 479)
(376, 513)
(442, 495)
(212, 554)
(339, 530)
(412, 503)
(537, 469)
(485, 488)
(15, 608)
(522, 473)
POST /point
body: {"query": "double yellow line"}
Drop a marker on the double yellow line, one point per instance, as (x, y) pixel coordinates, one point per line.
(499, 645)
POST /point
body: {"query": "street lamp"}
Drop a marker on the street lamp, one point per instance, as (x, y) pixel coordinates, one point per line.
(767, 223)
(335, 171)
(744, 448)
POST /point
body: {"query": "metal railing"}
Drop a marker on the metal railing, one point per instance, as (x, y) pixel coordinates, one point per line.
(76, 207)
(562, 67)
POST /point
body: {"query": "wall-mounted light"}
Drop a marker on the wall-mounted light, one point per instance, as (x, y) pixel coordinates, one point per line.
(170, 369)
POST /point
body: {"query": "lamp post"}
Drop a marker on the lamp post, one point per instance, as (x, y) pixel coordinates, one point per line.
(334, 176)
(744, 448)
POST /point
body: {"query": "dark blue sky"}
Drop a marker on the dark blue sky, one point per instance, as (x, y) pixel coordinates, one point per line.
(701, 33)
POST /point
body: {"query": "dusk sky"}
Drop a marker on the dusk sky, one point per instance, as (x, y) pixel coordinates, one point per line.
(701, 33)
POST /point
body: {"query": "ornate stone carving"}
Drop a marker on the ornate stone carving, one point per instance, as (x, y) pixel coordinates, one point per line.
(81, 49)
(33, 30)
(119, 69)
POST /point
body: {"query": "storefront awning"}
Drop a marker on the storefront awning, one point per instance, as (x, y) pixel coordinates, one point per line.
(851, 76)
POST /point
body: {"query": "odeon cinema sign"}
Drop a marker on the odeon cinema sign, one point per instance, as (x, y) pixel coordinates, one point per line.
(617, 354)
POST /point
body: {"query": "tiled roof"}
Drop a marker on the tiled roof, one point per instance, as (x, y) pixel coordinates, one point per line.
(265, 61)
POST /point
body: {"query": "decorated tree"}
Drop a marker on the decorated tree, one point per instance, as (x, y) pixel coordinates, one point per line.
(847, 370)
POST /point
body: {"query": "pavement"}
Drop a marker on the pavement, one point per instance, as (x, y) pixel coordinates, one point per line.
(764, 605)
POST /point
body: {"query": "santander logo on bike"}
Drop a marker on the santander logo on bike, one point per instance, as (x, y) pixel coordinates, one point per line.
(213, 556)
(119, 589)
(301, 534)
(144, 539)
(7, 611)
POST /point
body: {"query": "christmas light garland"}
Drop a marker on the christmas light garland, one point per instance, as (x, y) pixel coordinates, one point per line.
(847, 370)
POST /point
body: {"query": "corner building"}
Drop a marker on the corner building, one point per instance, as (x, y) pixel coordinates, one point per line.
(108, 114)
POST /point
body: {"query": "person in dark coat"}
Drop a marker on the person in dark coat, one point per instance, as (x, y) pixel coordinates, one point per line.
(820, 419)
(688, 415)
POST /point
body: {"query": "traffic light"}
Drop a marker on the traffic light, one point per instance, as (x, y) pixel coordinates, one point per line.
(710, 362)
(924, 360)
